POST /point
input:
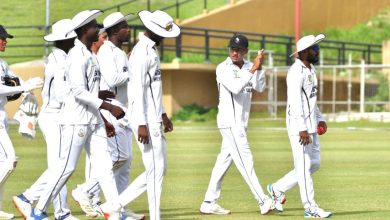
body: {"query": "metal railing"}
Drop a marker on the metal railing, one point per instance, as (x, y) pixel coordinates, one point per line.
(209, 45)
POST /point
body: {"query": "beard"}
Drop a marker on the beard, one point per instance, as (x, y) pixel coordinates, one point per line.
(313, 59)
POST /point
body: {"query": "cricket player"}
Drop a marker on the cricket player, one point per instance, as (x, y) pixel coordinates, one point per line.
(303, 117)
(81, 122)
(52, 95)
(7, 153)
(236, 79)
(114, 67)
(145, 108)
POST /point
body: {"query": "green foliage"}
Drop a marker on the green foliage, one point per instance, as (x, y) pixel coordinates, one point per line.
(382, 94)
(195, 113)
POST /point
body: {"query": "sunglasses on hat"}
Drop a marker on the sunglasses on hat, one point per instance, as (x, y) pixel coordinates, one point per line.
(316, 48)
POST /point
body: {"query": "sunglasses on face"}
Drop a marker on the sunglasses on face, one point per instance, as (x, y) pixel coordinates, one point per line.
(316, 48)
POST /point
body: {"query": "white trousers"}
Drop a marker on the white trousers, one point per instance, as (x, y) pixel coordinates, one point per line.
(235, 148)
(48, 123)
(121, 156)
(7, 153)
(306, 161)
(73, 139)
(154, 159)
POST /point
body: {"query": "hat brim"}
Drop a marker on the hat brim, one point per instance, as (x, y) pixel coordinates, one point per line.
(6, 35)
(125, 18)
(57, 37)
(318, 39)
(146, 18)
(93, 14)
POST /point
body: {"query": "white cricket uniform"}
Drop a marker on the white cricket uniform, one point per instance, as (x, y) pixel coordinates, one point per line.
(302, 114)
(7, 152)
(114, 66)
(235, 88)
(146, 108)
(52, 96)
(81, 125)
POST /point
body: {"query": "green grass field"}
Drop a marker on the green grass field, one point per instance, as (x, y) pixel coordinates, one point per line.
(353, 181)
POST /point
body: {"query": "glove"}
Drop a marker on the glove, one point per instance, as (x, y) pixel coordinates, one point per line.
(33, 83)
(29, 105)
(12, 81)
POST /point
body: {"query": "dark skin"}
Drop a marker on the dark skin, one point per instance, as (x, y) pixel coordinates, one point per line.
(120, 34)
(237, 56)
(310, 56)
(143, 131)
(89, 34)
(65, 45)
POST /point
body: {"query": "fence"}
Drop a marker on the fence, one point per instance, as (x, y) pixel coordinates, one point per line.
(345, 89)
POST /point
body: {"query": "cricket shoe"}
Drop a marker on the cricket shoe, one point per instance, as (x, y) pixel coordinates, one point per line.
(67, 217)
(111, 211)
(266, 206)
(128, 214)
(96, 207)
(34, 215)
(23, 205)
(212, 208)
(278, 197)
(4, 215)
(316, 212)
(84, 203)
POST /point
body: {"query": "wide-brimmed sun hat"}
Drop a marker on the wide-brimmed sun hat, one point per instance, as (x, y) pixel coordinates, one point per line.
(114, 19)
(308, 41)
(84, 17)
(59, 31)
(160, 23)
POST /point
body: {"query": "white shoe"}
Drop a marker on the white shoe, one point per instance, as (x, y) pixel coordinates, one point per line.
(278, 197)
(110, 211)
(267, 206)
(213, 209)
(316, 212)
(23, 205)
(84, 203)
(96, 207)
(127, 214)
(4, 215)
(67, 217)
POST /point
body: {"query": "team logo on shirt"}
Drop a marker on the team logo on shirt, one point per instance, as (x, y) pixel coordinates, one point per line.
(1, 127)
(157, 75)
(313, 92)
(248, 88)
(310, 78)
(236, 75)
(156, 134)
(125, 69)
(81, 133)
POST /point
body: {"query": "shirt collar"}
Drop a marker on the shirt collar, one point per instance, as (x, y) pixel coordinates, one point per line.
(299, 61)
(142, 37)
(58, 50)
(229, 61)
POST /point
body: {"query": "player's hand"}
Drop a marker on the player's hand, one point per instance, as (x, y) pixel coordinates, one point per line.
(322, 127)
(110, 129)
(258, 61)
(168, 126)
(105, 95)
(304, 138)
(32, 83)
(143, 134)
(117, 112)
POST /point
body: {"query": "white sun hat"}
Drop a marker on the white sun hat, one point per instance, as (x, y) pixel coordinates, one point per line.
(114, 19)
(84, 17)
(59, 31)
(308, 41)
(160, 23)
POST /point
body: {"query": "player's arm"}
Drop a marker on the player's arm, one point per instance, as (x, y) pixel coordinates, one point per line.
(294, 94)
(168, 125)
(322, 126)
(258, 81)
(225, 76)
(111, 75)
(139, 69)
(110, 129)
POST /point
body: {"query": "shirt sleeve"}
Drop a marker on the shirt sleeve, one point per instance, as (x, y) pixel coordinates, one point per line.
(294, 95)
(108, 67)
(78, 83)
(139, 69)
(59, 82)
(9, 90)
(319, 114)
(234, 85)
(258, 81)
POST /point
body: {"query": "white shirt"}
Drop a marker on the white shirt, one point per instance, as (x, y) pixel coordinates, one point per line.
(81, 104)
(54, 86)
(114, 66)
(145, 86)
(235, 87)
(7, 90)
(302, 113)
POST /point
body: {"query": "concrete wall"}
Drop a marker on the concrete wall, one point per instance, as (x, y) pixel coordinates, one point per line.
(278, 16)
